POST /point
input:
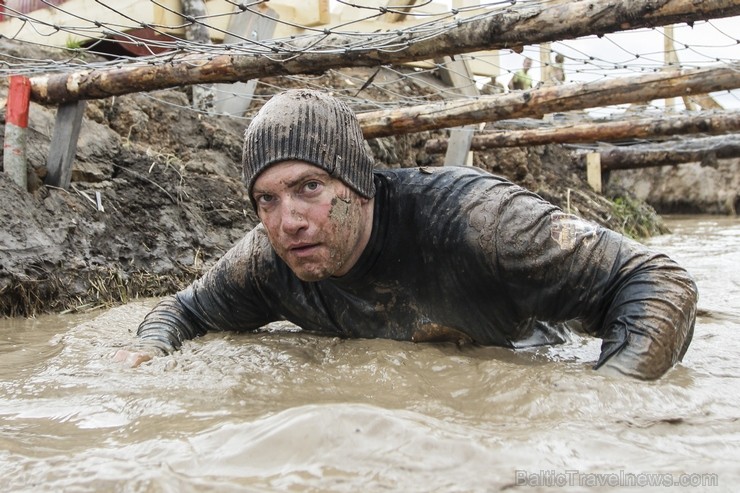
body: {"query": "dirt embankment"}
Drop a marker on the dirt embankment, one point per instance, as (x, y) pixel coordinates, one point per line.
(710, 187)
(173, 201)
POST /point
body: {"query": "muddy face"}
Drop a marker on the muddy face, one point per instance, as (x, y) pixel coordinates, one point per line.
(315, 223)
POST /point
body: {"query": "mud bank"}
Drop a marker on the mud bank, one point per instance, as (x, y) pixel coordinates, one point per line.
(712, 187)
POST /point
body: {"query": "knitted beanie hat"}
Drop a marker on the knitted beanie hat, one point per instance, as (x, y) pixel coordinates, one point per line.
(310, 126)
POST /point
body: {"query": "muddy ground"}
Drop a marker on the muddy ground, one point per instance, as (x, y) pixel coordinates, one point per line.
(173, 201)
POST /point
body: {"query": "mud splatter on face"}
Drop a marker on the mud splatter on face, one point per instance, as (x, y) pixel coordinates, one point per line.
(342, 208)
(345, 217)
(315, 223)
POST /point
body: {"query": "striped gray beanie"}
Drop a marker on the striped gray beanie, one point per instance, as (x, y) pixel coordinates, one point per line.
(310, 126)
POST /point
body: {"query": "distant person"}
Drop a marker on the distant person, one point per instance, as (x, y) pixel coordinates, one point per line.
(521, 81)
(557, 71)
(492, 87)
(419, 254)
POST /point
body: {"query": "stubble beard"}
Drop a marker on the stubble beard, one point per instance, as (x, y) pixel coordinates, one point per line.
(336, 244)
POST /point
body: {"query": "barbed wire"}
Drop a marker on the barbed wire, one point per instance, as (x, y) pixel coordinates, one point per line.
(101, 34)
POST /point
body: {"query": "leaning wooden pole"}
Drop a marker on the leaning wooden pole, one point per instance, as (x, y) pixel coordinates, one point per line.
(669, 153)
(634, 128)
(524, 24)
(537, 102)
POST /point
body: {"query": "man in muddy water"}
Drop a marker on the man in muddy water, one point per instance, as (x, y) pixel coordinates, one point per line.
(422, 254)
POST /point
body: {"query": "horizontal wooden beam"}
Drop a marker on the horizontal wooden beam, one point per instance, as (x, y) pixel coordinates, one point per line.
(551, 99)
(512, 27)
(632, 128)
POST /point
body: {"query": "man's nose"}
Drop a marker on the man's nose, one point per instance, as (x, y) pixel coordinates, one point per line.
(293, 217)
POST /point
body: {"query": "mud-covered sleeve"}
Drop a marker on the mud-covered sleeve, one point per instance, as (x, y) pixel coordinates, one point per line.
(227, 297)
(559, 267)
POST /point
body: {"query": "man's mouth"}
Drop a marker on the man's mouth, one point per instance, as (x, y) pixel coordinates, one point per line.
(303, 249)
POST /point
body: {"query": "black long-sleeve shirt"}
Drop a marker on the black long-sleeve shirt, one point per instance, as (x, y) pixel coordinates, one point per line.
(456, 254)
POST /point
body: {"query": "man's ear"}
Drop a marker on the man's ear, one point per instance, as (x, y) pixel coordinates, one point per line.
(367, 203)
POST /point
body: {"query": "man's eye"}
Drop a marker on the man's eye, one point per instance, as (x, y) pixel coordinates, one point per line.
(264, 199)
(312, 186)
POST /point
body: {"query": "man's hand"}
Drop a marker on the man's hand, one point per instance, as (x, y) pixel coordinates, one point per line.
(134, 357)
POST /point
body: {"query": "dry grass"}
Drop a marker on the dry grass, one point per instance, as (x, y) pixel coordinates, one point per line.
(104, 289)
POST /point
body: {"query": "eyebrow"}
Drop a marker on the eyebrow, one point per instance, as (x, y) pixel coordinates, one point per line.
(318, 173)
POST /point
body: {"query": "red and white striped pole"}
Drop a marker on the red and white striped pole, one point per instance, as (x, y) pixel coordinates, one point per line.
(16, 123)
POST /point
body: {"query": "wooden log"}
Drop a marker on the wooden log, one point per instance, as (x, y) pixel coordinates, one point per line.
(551, 21)
(670, 153)
(706, 101)
(706, 123)
(538, 102)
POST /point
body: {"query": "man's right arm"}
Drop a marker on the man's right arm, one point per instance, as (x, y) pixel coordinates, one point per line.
(162, 332)
(225, 298)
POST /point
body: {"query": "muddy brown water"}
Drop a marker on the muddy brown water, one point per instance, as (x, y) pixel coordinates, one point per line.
(285, 411)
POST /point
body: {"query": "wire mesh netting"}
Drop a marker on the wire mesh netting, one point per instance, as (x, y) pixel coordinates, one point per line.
(103, 35)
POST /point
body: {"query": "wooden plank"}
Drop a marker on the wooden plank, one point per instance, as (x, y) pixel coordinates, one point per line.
(458, 151)
(63, 145)
(456, 73)
(593, 171)
(234, 99)
(196, 31)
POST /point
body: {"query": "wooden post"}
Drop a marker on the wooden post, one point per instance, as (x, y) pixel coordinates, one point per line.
(203, 94)
(16, 123)
(458, 151)
(401, 7)
(457, 73)
(593, 170)
(545, 59)
(704, 101)
(64, 144)
(234, 99)
(669, 59)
